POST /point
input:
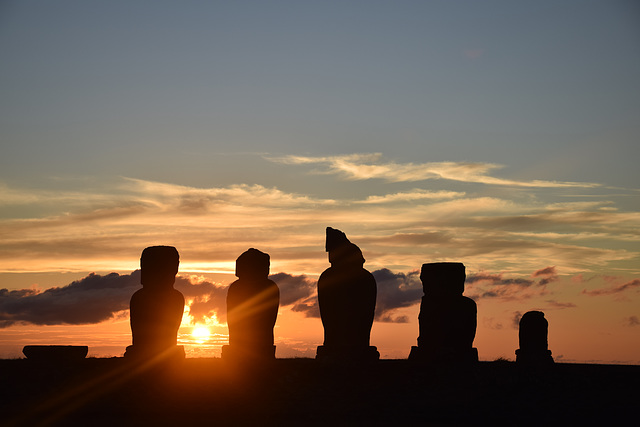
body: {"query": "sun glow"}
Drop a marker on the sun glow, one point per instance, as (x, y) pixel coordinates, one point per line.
(201, 333)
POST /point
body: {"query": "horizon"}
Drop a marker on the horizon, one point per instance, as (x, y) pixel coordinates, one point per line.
(503, 136)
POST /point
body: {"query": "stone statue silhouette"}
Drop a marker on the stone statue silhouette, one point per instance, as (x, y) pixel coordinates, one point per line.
(534, 347)
(252, 309)
(156, 309)
(447, 319)
(347, 300)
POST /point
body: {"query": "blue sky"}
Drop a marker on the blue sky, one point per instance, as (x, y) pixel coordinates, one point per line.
(502, 134)
(534, 86)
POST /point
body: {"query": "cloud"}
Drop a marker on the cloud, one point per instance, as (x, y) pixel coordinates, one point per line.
(92, 299)
(560, 305)
(195, 199)
(492, 285)
(411, 196)
(614, 289)
(293, 288)
(211, 226)
(97, 298)
(373, 166)
(515, 320)
(547, 275)
(205, 298)
(396, 290)
(632, 321)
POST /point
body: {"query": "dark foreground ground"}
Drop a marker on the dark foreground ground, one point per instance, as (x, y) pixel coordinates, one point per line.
(212, 392)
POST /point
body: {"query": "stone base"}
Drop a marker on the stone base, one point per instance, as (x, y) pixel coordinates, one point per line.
(529, 357)
(244, 354)
(422, 355)
(55, 353)
(171, 354)
(347, 354)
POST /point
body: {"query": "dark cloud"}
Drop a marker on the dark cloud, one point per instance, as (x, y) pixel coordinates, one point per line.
(613, 290)
(293, 288)
(547, 275)
(97, 298)
(547, 271)
(560, 305)
(396, 290)
(208, 299)
(495, 285)
(92, 299)
(632, 321)
(497, 280)
(299, 292)
(515, 320)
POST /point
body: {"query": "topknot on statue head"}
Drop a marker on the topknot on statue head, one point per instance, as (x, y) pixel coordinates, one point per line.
(253, 264)
(341, 250)
(444, 278)
(159, 266)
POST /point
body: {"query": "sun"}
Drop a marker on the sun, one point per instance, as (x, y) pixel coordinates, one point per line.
(200, 333)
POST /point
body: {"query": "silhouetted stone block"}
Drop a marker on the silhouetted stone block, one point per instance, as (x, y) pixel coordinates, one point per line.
(347, 300)
(252, 309)
(55, 353)
(447, 319)
(156, 309)
(534, 347)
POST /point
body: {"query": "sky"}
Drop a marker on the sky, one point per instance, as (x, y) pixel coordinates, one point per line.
(500, 134)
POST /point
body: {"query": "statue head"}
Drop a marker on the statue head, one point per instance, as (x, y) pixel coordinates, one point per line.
(159, 266)
(446, 278)
(253, 264)
(341, 250)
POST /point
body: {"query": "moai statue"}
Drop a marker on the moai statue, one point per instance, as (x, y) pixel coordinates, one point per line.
(447, 319)
(534, 348)
(252, 309)
(347, 300)
(156, 309)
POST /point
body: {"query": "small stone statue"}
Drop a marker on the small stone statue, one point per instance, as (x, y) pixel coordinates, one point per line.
(534, 347)
(156, 309)
(447, 319)
(252, 309)
(347, 300)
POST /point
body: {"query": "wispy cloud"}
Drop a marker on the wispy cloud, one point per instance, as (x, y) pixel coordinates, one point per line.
(106, 230)
(496, 285)
(411, 196)
(633, 284)
(373, 166)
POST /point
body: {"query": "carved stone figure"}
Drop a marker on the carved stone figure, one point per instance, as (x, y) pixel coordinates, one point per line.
(447, 319)
(252, 309)
(534, 347)
(347, 300)
(156, 309)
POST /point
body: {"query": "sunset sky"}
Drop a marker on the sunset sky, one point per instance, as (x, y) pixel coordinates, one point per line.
(501, 134)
